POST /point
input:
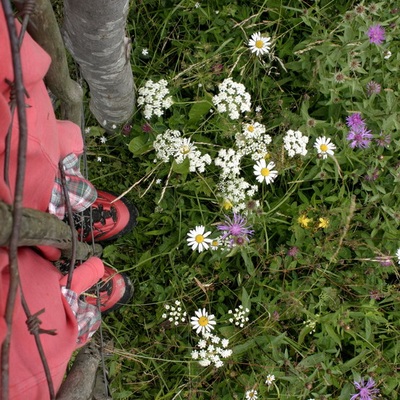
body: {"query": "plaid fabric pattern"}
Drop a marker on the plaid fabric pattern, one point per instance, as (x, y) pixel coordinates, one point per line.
(87, 315)
(81, 192)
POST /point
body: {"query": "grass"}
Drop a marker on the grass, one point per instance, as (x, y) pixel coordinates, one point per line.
(322, 295)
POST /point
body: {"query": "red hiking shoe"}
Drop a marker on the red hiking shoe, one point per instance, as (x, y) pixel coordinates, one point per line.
(108, 221)
(115, 290)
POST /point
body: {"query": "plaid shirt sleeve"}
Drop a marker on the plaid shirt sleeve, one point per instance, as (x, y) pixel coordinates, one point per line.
(87, 315)
(81, 192)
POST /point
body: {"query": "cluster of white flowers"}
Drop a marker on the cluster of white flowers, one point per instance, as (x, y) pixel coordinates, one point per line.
(295, 143)
(172, 144)
(174, 313)
(253, 141)
(311, 323)
(229, 161)
(212, 350)
(236, 192)
(155, 98)
(239, 316)
(232, 98)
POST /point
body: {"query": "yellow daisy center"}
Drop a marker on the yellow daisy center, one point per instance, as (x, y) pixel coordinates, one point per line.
(250, 128)
(203, 321)
(199, 238)
(214, 243)
(323, 147)
(185, 149)
(259, 44)
(265, 171)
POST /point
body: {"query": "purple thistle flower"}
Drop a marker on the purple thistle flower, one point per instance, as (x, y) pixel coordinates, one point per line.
(383, 140)
(235, 229)
(373, 177)
(292, 252)
(360, 138)
(359, 135)
(354, 121)
(366, 390)
(384, 261)
(376, 34)
(373, 88)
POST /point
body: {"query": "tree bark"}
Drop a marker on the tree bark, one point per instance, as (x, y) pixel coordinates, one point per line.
(94, 33)
(43, 27)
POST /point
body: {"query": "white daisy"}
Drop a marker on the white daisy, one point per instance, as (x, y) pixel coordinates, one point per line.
(259, 44)
(324, 146)
(215, 244)
(103, 139)
(398, 255)
(203, 322)
(270, 379)
(251, 395)
(197, 239)
(265, 172)
(387, 54)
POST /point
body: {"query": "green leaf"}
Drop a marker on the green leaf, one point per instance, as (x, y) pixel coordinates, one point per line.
(248, 262)
(182, 168)
(245, 299)
(312, 360)
(198, 111)
(332, 334)
(139, 145)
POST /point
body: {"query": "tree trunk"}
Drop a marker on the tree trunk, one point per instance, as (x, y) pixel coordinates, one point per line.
(94, 33)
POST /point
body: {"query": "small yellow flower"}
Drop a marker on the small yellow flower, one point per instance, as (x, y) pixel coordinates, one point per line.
(226, 204)
(323, 223)
(304, 221)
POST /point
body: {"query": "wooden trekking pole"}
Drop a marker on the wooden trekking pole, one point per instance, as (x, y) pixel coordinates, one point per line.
(43, 229)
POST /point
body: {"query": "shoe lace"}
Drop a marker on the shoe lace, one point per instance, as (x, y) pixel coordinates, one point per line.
(105, 290)
(99, 215)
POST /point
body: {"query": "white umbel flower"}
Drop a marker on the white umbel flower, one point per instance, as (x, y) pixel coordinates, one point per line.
(232, 99)
(265, 173)
(324, 146)
(203, 322)
(295, 142)
(197, 239)
(155, 98)
(259, 44)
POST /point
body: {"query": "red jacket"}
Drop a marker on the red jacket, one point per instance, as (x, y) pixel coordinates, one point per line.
(49, 141)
